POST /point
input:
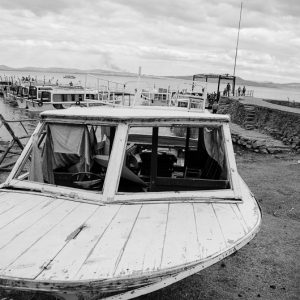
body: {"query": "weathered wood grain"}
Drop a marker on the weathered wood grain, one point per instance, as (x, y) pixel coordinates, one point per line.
(104, 257)
(65, 266)
(24, 222)
(43, 251)
(181, 244)
(209, 234)
(23, 243)
(144, 248)
(230, 225)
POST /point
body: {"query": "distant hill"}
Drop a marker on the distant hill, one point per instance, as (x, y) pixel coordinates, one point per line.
(239, 80)
(66, 70)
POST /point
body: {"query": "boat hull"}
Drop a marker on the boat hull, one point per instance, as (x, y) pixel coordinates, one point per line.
(122, 251)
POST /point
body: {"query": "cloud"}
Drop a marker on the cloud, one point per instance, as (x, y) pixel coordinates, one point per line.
(167, 37)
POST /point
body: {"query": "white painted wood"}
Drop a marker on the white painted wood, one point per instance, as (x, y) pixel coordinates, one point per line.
(21, 206)
(209, 234)
(239, 216)
(57, 191)
(25, 153)
(115, 163)
(181, 244)
(5, 205)
(143, 251)
(249, 209)
(137, 113)
(181, 196)
(231, 226)
(18, 226)
(68, 262)
(104, 257)
(39, 255)
(32, 235)
(234, 176)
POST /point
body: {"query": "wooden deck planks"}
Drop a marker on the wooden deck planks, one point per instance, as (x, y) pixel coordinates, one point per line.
(32, 262)
(22, 204)
(5, 206)
(143, 251)
(68, 262)
(210, 237)
(230, 224)
(32, 235)
(105, 256)
(249, 209)
(181, 244)
(14, 229)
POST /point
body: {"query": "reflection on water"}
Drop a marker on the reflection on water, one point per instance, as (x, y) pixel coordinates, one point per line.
(15, 113)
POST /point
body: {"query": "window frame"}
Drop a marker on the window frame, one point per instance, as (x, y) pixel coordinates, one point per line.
(109, 193)
(233, 194)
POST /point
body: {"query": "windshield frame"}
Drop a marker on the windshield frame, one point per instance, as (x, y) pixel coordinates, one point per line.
(109, 193)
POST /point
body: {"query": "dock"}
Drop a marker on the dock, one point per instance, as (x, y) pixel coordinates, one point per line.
(262, 126)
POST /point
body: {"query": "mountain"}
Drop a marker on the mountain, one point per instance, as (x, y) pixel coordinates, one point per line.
(66, 70)
(239, 80)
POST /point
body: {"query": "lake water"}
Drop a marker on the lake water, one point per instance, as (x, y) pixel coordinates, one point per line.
(118, 82)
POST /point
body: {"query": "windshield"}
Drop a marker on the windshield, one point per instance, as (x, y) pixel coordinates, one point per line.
(70, 155)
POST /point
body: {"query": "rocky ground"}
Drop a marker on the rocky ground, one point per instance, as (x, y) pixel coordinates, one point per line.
(268, 267)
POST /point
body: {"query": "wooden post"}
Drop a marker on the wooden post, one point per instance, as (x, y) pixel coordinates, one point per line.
(218, 91)
(187, 142)
(153, 170)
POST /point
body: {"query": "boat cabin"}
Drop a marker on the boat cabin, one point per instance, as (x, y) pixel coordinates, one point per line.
(132, 154)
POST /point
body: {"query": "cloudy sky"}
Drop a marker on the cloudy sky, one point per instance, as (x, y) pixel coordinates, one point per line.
(165, 37)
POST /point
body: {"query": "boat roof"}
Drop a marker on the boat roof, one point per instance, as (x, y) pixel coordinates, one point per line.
(136, 113)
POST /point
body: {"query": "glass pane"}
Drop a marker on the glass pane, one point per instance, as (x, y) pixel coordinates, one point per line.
(175, 158)
(74, 156)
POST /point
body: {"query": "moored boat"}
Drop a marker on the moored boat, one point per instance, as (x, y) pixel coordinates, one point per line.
(116, 202)
(59, 97)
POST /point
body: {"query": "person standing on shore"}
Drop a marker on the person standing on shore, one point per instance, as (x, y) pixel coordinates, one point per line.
(228, 88)
(239, 91)
(244, 91)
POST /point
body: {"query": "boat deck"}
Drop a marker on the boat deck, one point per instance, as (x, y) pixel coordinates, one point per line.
(47, 239)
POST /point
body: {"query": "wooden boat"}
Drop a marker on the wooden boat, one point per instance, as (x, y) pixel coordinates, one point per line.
(58, 97)
(70, 76)
(113, 203)
(4, 87)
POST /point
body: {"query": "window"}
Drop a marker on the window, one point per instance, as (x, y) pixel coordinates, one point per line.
(74, 156)
(175, 158)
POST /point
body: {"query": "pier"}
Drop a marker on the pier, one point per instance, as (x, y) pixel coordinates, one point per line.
(277, 127)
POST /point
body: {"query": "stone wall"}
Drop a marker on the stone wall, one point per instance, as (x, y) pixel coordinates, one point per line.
(284, 126)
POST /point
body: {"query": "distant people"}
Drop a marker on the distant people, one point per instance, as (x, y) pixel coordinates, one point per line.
(225, 92)
(215, 107)
(71, 83)
(244, 91)
(57, 82)
(239, 91)
(228, 88)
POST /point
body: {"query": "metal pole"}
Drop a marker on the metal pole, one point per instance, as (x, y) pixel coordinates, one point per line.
(238, 37)
(84, 96)
(138, 89)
